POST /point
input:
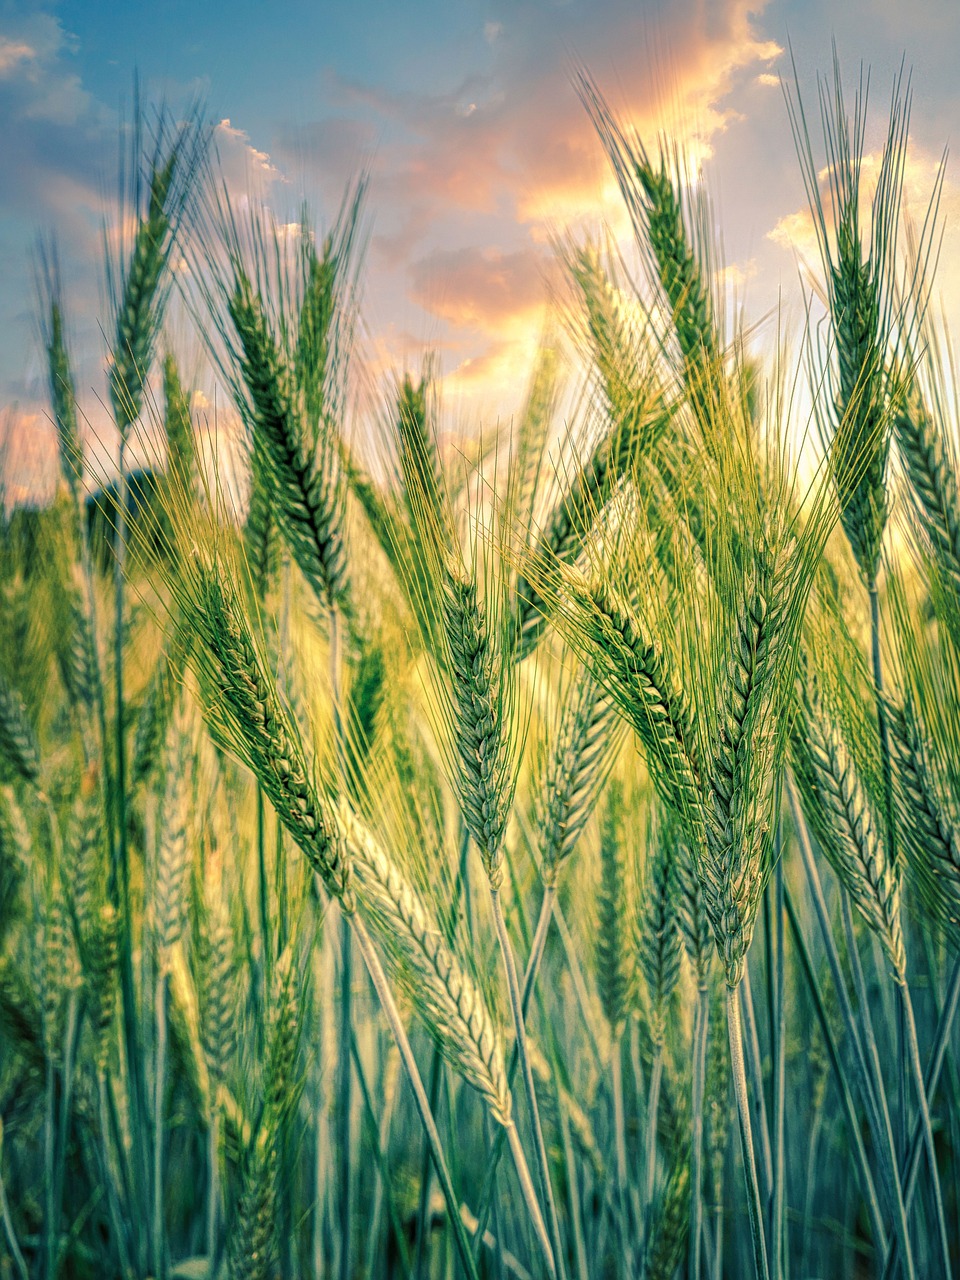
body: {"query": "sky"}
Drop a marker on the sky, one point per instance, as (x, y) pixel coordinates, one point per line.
(478, 152)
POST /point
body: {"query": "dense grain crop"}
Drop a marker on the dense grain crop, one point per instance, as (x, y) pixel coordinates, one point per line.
(591, 796)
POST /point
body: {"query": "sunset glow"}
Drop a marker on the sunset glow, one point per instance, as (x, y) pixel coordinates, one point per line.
(480, 154)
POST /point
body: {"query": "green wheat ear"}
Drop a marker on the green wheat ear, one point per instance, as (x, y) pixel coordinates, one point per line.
(615, 950)
(63, 395)
(248, 716)
(573, 757)
(923, 423)
(460, 599)
(842, 810)
(658, 938)
(138, 277)
(926, 739)
(859, 263)
(306, 491)
(19, 749)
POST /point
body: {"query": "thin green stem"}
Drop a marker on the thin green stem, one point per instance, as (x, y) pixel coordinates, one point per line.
(423, 1206)
(913, 1054)
(573, 1197)
(778, 1215)
(120, 872)
(50, 1228)
(738, 1072)
(526, 1072)
(109, 1176)
(392, 1014)
(530, 1197)
(383, 1170)
(620, 1143)
(890, 819)
(344, 1068)
(941, 1041)
(213, 1172)
(839, 1075)
(755, 1067)
(871, 1084)
(263, 897)
(15, 1250)
(159, 1086)
(701, 1021)
(650, 1148)
(529, 982)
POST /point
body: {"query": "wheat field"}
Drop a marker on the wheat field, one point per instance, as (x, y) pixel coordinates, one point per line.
(531, 855)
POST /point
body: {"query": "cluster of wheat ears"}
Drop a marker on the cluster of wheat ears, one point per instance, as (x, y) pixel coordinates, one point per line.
(539, 857)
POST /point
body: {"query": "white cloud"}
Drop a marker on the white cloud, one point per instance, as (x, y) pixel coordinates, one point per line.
(13, 53)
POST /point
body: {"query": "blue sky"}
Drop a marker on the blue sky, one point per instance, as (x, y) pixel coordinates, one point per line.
(477, 148)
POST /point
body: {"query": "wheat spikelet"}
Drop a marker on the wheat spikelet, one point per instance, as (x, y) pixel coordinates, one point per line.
(424, 482)
(141, 295)
(63, 397)
(244, 707)
(860, 268)
(280, 1085)
(83, 853)
(173, 855)
(19, 749)
(253, 1246)
(678, 260)
(306, 488)
(178, 426)
(620, 360)
(318, 314)
(841, 813)
(77, 650)
(744, 764)
(932, 476)
(217, 989)
(100, 959)
(260, 532)
(682, 281)
(569, 522)
(483, 750)
(658, 939)
(59, 970)
(633, 669)
(861, 443)
(158, 701)
(670, 1226)
(615, 955)
(573, 773)
(692, 919)
(14, 856)
(445, 996)
(929, 816)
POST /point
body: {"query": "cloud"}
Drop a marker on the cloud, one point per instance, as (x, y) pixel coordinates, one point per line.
(14, 52)
(795, 231)
(517, 139)
(484, 289)
(244, 168)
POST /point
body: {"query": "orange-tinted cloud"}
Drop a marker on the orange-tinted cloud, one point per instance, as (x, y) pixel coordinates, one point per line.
(518, 138)
(481, 289)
